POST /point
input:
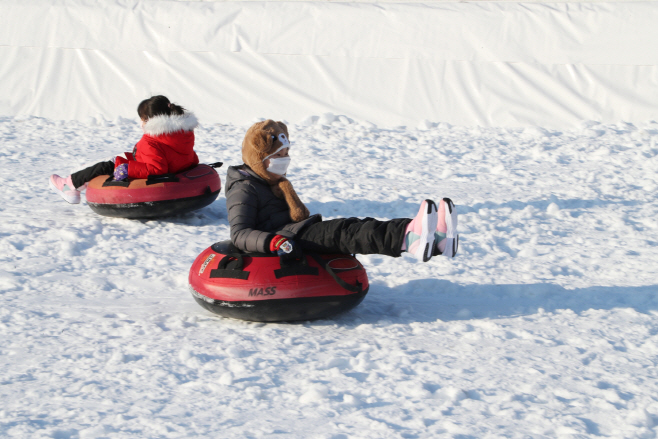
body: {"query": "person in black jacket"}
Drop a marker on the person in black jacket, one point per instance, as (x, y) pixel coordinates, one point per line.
(266, 215)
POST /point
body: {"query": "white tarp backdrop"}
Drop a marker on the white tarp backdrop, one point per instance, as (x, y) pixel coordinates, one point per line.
(482, 63)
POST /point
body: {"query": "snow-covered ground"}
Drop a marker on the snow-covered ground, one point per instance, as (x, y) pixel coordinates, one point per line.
(544, 325)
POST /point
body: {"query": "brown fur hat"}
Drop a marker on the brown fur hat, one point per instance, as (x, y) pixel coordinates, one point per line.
(261, 140)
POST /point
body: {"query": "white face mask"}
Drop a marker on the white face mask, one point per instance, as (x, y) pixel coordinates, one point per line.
(279, 165)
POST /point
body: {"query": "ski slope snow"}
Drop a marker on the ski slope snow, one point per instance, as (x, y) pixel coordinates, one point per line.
(544, 325)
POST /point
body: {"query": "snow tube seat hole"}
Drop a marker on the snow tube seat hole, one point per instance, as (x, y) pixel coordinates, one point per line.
(264, 288)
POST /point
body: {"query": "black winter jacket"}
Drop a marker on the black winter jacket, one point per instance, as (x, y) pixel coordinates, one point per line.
(255, 214)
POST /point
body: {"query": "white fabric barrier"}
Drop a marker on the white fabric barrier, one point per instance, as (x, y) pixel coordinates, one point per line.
(488, 64)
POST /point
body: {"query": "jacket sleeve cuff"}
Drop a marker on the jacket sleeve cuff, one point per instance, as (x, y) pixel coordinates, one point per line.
(264, 246)
(118, 160)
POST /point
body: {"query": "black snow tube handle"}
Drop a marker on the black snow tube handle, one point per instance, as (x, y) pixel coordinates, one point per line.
(216, 164)
(358, 288)
(234, 271)
(110, 181)
(163, 178)
(295, 267)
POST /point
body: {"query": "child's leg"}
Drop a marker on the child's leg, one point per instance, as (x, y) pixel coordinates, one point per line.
(69, 187)
(432, 232)
(354, 235)
(86, 175)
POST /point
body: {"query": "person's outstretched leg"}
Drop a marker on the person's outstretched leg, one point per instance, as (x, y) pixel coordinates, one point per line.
(353, 235)
(69, 187)
(370, 236)
(446, 239)
(84, 176)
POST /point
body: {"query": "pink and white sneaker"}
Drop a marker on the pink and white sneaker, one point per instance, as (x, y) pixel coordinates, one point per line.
(446, 239)
(419, 234)
(64, 187)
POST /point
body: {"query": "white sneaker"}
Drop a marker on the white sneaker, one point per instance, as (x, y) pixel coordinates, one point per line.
(65, 188)
(446, 239)
(419, 234)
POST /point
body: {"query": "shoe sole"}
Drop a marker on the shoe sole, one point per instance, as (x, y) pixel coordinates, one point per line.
(452, 238)
(69, 199)
(430, 220)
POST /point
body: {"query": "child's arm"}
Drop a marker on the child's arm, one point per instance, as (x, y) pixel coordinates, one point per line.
(242, 203)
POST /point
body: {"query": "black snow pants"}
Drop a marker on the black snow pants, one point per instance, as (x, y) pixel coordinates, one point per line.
(353, 235)
(81, 177)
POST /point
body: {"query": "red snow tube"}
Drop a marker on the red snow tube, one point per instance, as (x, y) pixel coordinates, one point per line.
(157, 196)
(263, 288)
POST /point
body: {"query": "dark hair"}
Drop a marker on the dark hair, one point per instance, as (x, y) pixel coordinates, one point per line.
(157, 105)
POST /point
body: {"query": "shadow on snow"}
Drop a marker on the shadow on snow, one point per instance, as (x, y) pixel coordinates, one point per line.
(428, 300)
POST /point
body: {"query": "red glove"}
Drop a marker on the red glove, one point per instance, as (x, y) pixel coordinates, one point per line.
(280, 244)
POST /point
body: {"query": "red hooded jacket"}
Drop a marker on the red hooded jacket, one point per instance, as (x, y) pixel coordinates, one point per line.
(167, 146)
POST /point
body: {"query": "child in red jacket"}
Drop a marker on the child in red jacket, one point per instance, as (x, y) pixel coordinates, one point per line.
(167, 146)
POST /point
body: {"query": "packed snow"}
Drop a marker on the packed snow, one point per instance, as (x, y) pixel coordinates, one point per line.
(544, 325)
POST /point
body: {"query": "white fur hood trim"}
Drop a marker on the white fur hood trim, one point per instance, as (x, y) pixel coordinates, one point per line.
(164, 124)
